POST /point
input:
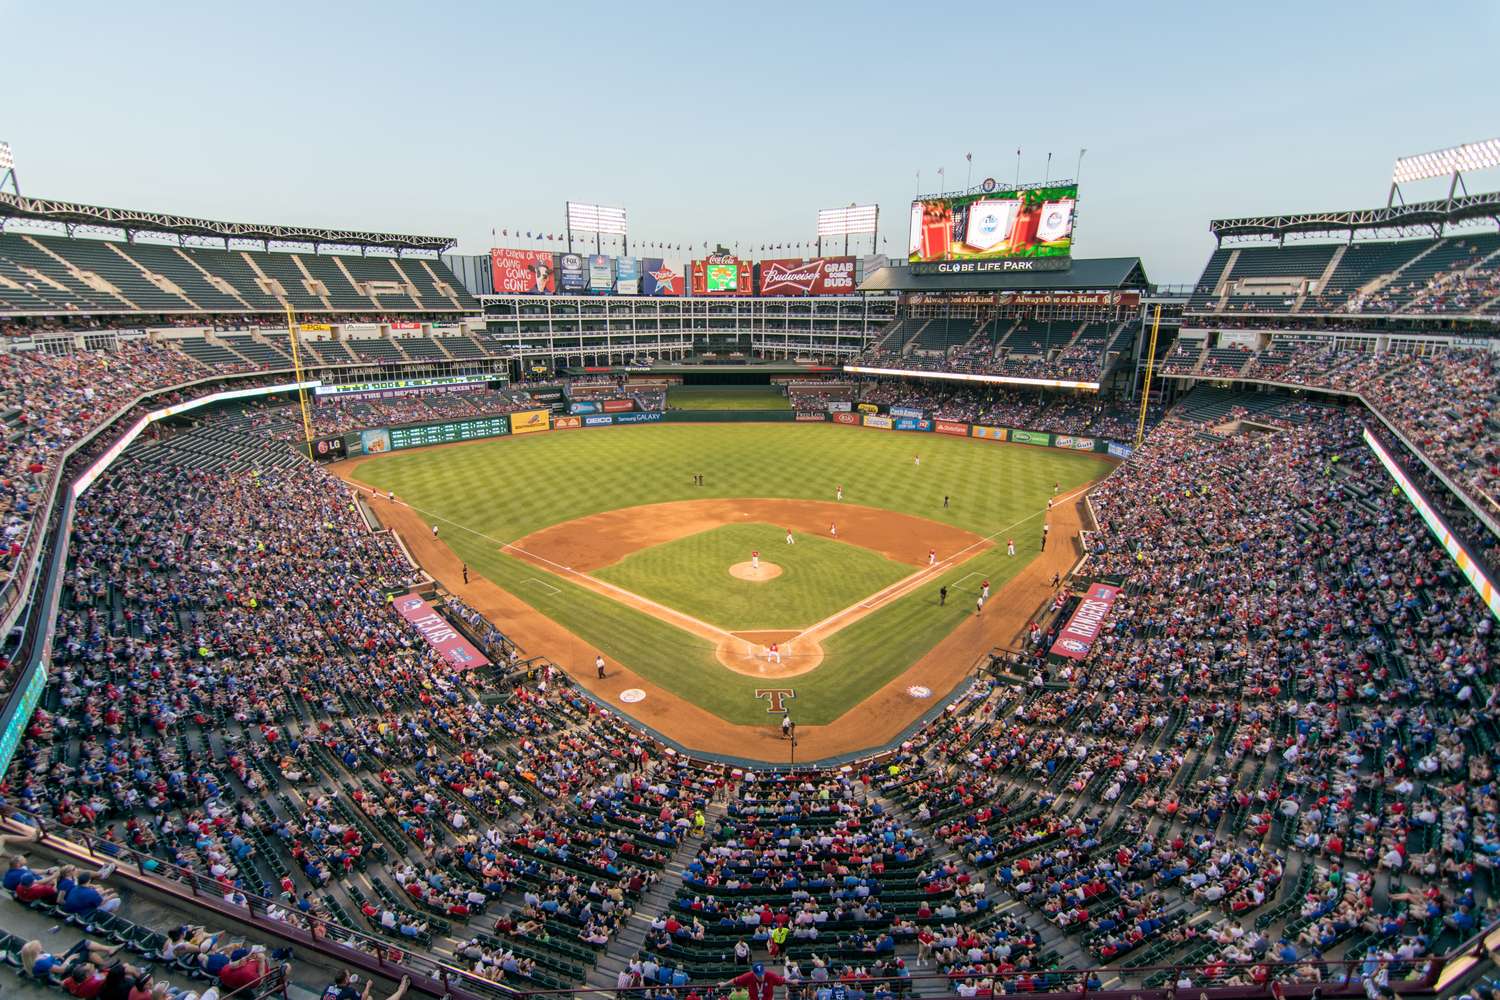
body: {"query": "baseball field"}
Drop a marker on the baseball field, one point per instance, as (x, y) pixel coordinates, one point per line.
(727, 397)
(602, 541)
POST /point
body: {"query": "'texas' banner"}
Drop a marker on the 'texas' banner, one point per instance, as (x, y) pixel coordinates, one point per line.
(1077, 637)
(819, 276)
(440, 635)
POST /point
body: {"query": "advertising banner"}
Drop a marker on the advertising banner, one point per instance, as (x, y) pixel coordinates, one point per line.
(658, 279)
(530, 421)
(1074, 442)
(811, 418)
(1121, 450)
(1034, 223)
(360, 329)
(878, 421)
(1031, 437)
(566, 423)
(601, 274)
(1077, 637)
(315, 327)
(1118, 300)
(840, 406)
(849, 419)
(583, 406)
(572, 272)
(602, 421)
(402, 324)
(375, 442)
(819, 276)
(868, 408)
(329, 449)
(440, 634)
(627, 276)
(951, 427)
(618, 405)
(637, 418)
(989, 433)
(721, 274)
(524, 272)
(906, 411)
(912, 424)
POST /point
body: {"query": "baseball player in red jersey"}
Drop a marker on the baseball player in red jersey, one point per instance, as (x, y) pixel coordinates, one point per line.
(773, 653)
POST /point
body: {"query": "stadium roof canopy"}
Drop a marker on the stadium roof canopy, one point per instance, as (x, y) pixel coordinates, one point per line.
(1418, 216)
(72, 214)
(1086, 274)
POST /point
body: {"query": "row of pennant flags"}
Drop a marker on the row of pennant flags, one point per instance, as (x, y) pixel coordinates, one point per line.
(587, 240)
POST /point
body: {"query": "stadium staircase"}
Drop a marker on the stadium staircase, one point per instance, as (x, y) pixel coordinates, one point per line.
(1325, 277)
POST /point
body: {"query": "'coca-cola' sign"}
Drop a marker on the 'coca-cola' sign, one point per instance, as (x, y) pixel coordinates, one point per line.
(819, 276)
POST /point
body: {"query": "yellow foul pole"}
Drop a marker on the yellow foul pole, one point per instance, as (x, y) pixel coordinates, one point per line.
(291, 331)
(1140, 426)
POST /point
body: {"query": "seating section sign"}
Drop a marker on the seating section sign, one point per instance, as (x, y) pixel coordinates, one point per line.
(440, 634)
(1087, 621)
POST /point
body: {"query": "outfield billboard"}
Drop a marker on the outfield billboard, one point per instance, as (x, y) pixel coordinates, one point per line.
(565, 423)
(573, 274)
(1031, 437)
(601, 274)
(819, 276)
(951, 427)
(627, 276)
(845, 417)
(990, 229)
(878, 421)
(657, 279)
(530, 421)
(524, 272)
(989, 433)
(911, 424)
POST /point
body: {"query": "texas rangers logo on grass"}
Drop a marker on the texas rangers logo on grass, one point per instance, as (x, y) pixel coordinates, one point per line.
(778, 697)
(919, 691)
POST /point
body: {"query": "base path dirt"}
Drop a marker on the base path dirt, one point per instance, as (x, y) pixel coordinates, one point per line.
(598, 540)
(878, 719)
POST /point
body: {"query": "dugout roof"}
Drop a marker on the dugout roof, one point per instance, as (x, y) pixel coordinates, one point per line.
(1086, 274)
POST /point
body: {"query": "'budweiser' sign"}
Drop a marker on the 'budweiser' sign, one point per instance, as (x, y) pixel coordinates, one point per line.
(820, 276)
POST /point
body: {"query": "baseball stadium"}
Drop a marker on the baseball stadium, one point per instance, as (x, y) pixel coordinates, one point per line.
(576, 611)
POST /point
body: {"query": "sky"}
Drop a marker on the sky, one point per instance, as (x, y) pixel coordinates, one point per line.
(735, 123)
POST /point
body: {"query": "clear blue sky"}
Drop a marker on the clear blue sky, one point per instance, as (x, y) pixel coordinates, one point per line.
(736, 122)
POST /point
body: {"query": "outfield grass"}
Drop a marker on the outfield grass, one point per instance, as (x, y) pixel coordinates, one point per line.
(727, 397)
(491, 492)
(819, 577)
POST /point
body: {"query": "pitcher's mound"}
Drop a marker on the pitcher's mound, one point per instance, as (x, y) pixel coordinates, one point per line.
(744, 571)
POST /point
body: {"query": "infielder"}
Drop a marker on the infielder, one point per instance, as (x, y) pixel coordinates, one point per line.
(789, 539)
(979, 605)
(755, 560)
(773, 653)
(984, 591)
(833, 529)
(1010, 546)
(932, 557)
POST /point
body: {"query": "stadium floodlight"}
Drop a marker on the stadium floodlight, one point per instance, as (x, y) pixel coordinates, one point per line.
(7, 158)
(848, 221)
(1447, 162)
(596, 219)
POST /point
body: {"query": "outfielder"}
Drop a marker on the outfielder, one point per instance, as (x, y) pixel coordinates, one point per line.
(755, 560)
(1010, 546)
(789, 539)
(916, 460)
(773, 653)
(838, 493)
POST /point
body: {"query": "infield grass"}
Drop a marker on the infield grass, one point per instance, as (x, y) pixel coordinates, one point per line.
(488, 493)
(819, 576)
(726, 397)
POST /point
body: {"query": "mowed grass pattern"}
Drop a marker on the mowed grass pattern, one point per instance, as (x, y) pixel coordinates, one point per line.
(491, 492)
(819, 576)
(726, 397)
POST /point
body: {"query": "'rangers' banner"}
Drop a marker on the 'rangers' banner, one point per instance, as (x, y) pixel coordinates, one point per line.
(1077, 637)
(530, 272)
(819, 276)
(439, 633)
(659, 279)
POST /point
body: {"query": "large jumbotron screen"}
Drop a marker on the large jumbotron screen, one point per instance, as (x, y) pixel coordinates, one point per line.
(1032, 223)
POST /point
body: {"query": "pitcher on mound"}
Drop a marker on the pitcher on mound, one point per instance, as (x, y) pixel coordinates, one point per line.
(755, 560)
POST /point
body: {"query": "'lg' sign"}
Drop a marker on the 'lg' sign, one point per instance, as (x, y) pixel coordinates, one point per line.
(778, 696)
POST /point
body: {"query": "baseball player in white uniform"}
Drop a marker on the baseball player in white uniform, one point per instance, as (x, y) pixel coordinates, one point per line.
(773, 653)
(1010, 546)
(755, 560)
(838, 493)
(916, 460)
(789, 539)
(833, 529)
(932, 557)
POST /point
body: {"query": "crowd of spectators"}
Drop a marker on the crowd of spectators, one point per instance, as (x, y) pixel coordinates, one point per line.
(1059, 413)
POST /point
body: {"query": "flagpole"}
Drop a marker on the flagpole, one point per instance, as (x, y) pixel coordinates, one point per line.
(1018, 168)
(1048, 177)
(1079, 171)
(969, 176)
